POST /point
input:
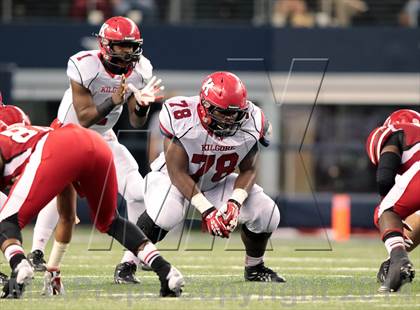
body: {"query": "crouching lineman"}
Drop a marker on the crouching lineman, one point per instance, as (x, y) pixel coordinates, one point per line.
(44, 163)
(412, 222)
(206, 138)
(393, 150)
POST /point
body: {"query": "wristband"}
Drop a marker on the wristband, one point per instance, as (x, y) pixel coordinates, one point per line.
(105, 107)
(239, 195)
(141, 111)
(200, 202)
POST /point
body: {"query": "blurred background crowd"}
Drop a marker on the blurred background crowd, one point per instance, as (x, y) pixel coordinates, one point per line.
(278, 13)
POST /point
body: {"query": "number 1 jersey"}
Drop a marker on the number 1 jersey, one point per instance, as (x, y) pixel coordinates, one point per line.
(86, 69)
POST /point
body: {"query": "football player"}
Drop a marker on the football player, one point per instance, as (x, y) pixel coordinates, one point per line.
(40, 163)
(393, 150)
(92, 101)
(412, 222)
(14, 115)
(208, 137)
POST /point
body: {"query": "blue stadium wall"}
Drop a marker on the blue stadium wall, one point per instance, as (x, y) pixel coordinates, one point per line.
(207, 48)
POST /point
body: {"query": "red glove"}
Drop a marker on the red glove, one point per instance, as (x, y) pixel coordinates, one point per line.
(212, 222)
(230, 214)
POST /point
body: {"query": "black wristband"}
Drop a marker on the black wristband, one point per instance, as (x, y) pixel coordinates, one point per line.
(141, 111)
(105, 107)
(235, 202)
(207, 212)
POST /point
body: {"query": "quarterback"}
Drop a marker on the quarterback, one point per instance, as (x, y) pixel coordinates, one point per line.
(207, 138)
(101, 83)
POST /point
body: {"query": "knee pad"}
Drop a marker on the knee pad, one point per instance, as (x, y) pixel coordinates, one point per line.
(9, 229)
(150, 229)
(127, 233)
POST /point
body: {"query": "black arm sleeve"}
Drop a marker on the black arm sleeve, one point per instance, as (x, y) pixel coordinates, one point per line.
(389, 163)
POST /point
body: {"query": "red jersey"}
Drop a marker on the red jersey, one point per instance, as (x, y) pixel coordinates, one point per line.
(411, 146)
(17, 143)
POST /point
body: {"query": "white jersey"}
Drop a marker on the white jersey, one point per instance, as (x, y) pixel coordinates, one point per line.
(211, 158)
(87, 69)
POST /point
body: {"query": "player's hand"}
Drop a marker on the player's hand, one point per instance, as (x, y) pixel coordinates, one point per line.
(212, 222)
(230, 213)
(118, 95)
(407, 241)
(148, 93)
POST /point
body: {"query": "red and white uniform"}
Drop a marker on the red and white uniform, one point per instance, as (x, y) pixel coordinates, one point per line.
(17, 143)
(46, 161)
(403, 198)
(213, 161)
(86, 69)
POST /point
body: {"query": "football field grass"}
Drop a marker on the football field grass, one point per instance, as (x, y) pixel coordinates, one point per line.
(343, 278)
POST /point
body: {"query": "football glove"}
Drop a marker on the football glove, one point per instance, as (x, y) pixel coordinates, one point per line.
(230, 213)
(212, 222)
(147, 94)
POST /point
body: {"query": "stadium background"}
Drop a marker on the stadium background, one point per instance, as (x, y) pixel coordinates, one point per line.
(362, 57)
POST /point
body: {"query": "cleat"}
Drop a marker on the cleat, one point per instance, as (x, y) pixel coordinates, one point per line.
(400, 272)
(52, 284)
(125, 273)
(36, 258)
(383, 271)
(173, 283)
(3, 278)
(19, 279)
(260, 273)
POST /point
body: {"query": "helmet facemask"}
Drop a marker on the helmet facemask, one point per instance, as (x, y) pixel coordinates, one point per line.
(121, 63)
(224, 122)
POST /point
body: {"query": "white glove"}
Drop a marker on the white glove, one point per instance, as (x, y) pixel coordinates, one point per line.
(148, 93)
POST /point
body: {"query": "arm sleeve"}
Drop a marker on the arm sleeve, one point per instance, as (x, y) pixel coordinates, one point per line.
(388, 165)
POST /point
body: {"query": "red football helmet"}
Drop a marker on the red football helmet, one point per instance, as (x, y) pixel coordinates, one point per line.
(403, 116)
(376, 141)
(123, 32)
(223, 103)
(10, 114)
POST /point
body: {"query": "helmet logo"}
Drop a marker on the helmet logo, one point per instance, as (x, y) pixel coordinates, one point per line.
(207, 85)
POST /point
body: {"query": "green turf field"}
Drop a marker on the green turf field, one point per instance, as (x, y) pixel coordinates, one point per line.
(343, 278)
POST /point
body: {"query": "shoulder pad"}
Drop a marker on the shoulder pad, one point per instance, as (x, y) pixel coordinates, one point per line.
(144, 68)
(376, 141)
(178, 114)
(83, 67)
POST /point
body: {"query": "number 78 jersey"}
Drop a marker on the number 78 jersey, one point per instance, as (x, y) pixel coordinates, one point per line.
(211, 158)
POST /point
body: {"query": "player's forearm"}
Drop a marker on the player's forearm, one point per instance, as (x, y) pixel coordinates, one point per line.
(89, 116)
(185, 184)
(246, 179)
(137, 121)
